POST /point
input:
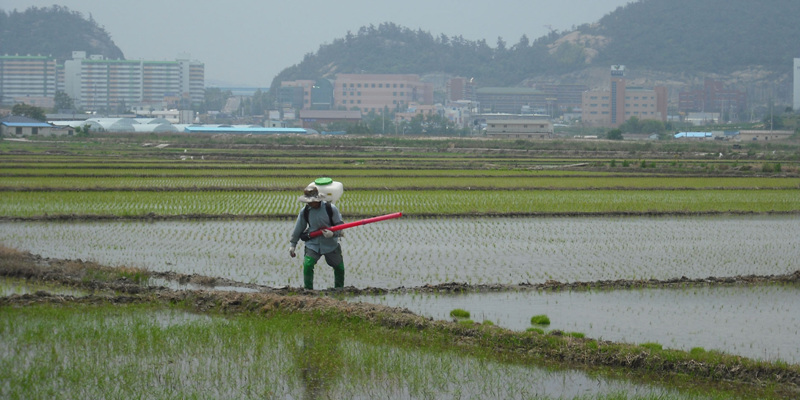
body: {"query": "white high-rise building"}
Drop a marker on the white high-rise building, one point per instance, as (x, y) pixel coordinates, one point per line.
(797, 84)
(26, 78)
(99, 84)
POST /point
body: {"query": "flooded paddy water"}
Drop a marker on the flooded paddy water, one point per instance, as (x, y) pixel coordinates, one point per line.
(754, 321)
(146, 352)
(760, 322)
(410, 252)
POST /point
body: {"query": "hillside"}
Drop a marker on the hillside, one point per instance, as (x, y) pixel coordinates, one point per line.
(739, 41)
(53, 31)
(704, 36)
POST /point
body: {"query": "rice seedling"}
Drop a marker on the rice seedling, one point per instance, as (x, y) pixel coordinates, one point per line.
(459, 313)
(370, 203)
(696, 351)
(652, 346)
(540, 319)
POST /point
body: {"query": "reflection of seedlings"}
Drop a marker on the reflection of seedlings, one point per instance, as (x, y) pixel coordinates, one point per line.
(459, 313)
(540, 320)
(319, 361)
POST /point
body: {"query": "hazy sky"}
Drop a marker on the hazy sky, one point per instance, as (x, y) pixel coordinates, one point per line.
(248, 42)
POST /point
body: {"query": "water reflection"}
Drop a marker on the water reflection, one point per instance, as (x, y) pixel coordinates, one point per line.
(175, 285)
(319, 363)
(11, 286)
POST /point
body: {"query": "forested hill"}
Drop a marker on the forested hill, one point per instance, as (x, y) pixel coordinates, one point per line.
(53, 31)
(702, 35)
(673, 36)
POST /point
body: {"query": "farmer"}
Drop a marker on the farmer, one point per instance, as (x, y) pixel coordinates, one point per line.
(318, 214)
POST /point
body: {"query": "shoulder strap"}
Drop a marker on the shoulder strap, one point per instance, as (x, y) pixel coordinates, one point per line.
(328, 208)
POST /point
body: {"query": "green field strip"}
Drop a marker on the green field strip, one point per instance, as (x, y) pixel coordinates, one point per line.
(287, 171)
(280, 182)
(291, 158)
(410, 202)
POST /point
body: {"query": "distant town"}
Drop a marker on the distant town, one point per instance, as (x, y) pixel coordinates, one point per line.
(91, 93)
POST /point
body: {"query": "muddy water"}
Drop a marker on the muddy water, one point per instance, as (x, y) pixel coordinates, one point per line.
(413, 252)
(760, 322)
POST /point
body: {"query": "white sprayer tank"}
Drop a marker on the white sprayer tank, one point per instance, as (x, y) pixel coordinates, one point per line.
(329, 189)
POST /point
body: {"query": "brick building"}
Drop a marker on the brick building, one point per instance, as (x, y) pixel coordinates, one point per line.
(713, 98)
(612, 107)
(376, 92)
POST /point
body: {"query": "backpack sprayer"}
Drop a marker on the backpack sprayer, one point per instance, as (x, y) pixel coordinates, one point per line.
(330, 191)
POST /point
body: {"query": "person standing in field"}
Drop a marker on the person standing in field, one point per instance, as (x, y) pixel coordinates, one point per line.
(318, 214)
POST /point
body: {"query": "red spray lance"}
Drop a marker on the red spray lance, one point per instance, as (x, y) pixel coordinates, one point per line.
(356, 223)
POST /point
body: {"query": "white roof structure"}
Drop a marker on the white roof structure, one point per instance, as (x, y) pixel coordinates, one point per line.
(115, 124)
(167, 127)
(153, 121)
(93, 125)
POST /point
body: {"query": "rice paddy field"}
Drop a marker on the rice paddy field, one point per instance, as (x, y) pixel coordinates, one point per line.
(498, 221)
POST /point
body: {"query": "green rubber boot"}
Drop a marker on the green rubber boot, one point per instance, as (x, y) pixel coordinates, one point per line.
(338, 276)
(308, 272)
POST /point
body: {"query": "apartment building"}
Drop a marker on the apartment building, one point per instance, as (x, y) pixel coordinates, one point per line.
(561, 97)
(27, 79)
(376, 92)
(460, 88)
(797, 84)
(613, 106)
(296, 94)
(95, 83)
(511, 100)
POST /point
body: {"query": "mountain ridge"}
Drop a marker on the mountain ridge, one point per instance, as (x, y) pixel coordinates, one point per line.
(54, 31)
(675, 43)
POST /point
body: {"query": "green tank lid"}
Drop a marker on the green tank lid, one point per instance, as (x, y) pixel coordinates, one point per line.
(323, 181)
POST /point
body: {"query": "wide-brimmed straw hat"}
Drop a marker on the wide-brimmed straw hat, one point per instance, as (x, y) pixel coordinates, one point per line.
(310, 195)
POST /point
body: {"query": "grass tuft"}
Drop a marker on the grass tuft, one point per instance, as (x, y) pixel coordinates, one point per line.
(459, 313)
(540, 320)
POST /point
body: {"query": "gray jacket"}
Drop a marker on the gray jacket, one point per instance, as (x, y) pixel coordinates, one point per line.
(318, 219)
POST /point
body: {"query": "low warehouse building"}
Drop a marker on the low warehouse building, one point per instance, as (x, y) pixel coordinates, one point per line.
(16, 125)
(519, 129)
